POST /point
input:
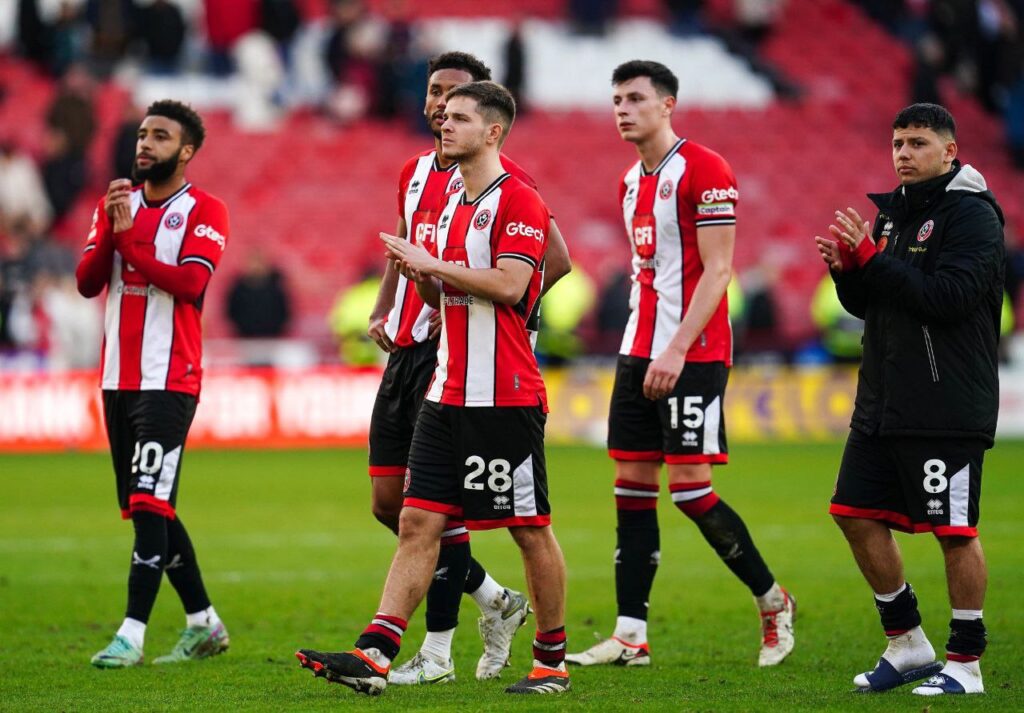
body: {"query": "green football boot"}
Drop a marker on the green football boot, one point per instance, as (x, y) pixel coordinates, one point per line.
(120, 653)
(198, 642)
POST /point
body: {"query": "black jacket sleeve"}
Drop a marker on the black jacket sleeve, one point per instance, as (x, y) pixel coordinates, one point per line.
(852, 292)
(968, 263)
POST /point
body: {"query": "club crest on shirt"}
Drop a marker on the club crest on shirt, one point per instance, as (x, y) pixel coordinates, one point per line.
(482, 219)
(666, 189)
(173, 221)
(457, 185)
(926, 231)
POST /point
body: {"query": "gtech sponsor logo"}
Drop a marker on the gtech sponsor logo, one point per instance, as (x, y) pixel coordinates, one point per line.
(208, 231)
(714, 195)
(527, 231)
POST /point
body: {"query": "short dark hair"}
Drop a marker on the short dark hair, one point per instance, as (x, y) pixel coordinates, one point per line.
(462, 61)
(493, 101)
(927, 116)
(192, 129)
(664, 82)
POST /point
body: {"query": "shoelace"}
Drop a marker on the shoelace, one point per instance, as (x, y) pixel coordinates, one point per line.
(769, 629)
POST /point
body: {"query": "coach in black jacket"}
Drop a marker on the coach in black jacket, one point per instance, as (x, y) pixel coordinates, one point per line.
(927, 280)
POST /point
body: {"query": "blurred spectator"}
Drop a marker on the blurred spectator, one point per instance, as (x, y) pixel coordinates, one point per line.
(929, 57)
(281, 20)
(35, 38)
(840, 332)
(72, 112)
(122, 157)
(612, 313)
(591, 17)
(757, 18)
(22, 194)
(348, 319)
(561, 312)
(354, 47)
(64, 37)
(685, 16)
(226, 22)
(112, 23)
(758, 331)
(260, 76)
(64, 172)
(161, 28)
(515, 66)
(52, 320)
(258, 303)
(395, 64)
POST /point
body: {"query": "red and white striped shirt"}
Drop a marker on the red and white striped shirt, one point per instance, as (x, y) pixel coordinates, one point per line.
(152, 339)
(422, 188)
(692, 187)
(485, 356)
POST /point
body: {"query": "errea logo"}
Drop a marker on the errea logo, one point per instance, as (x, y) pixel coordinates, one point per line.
(713, 195)
(527, 231)
(208, 231)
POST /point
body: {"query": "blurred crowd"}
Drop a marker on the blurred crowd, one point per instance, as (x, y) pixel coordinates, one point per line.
(352, 61)
(979, 43)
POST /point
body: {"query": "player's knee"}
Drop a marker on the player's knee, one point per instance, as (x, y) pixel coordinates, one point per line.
(530, 538)
(387, 513)
(416, 525)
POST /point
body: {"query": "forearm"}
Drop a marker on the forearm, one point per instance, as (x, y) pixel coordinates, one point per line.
(492, 284)
(557, 263)
(429, 291)
(93, 272)
(185, 282)
(707, 295)
(386, 293)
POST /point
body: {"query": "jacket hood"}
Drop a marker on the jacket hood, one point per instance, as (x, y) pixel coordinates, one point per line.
(969, 180)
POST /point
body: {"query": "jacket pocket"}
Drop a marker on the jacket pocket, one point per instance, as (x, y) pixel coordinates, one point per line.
(930, 351)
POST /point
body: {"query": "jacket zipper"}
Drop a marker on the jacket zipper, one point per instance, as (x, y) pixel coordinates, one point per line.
(931, 353)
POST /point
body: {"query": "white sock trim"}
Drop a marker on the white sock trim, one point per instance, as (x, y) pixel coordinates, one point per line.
(133, 630)
(490, 596)
(967, 614)
(632, 631)
(437, 645)
(890, 597)
(205, 617)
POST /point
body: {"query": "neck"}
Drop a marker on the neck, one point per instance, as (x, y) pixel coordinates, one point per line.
(480, 171)
(156, 192)
(441, 160)
(652, 150)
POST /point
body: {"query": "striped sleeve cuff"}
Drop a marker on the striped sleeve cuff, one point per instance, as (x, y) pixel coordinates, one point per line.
(518, 256)
(197, 259)
(715, 221)
(87, 248)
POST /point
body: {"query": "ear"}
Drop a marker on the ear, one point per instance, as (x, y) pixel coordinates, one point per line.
(494, 133)
(950, 153)
(668, 105)
(187, 152)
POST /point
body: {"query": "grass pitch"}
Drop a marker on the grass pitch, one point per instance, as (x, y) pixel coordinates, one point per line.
(292, 557)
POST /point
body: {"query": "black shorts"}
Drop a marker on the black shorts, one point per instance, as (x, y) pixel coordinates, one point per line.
(484, 465)
(687, 426)
(912, 484)
(399, 397)
(147, 432)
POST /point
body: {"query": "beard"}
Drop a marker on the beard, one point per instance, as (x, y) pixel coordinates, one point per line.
(157, 171)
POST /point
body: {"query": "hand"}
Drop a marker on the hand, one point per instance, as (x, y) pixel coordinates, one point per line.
(410, 258)
(118, 204)
(663, 373)
(831, 254)
(852, 229)
(376, 333)
(435, 325)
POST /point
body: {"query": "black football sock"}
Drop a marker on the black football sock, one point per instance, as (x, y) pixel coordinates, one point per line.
(445, 593)
(183, 568)
(384, 633)
(475, 577)
(728, 536)
(900, 614)
(149, 557)
(967, 639)
(637, 552)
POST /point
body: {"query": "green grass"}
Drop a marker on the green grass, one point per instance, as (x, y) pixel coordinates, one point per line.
(293, 558)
